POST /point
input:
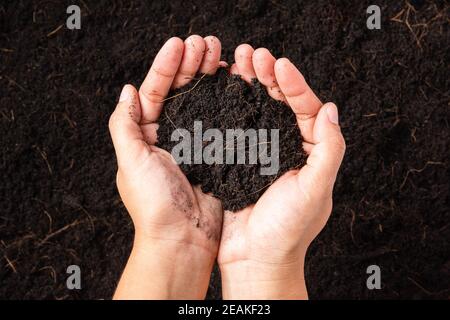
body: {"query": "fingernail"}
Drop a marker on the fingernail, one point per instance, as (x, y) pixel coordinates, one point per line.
(287, 60)
(332, 113)
(125, 94)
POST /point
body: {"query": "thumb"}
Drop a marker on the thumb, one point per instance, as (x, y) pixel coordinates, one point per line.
(326, 155)
(124, 126)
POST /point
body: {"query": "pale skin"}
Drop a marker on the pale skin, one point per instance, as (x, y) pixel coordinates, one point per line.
(180, 231)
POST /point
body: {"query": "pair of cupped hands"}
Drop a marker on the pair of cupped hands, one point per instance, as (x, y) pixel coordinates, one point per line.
(180, 231)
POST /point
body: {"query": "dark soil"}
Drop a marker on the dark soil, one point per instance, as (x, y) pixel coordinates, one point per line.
(58, 201)
(226, 102)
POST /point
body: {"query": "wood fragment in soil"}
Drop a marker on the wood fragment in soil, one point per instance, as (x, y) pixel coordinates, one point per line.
(55, 31)
(10, 264)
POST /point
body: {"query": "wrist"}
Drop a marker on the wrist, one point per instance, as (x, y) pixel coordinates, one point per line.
(165, 269)
(177, 246)
(247, 279)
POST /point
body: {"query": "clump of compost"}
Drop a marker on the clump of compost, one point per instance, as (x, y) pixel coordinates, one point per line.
(214, 159)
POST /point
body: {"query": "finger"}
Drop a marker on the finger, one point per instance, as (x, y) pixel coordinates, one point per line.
(211, 57)
(194, 47)
(159, 79)
(299, 95)
(264, 64)
(149, 131)
(124, 126)
(234, 69)
(326, 155)
(243, 57)
(307, 147)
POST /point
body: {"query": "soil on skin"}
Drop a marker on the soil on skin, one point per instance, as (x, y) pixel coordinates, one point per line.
(226, 103)
(58, 200)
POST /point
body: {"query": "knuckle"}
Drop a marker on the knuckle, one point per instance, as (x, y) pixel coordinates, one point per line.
(153, 96)
(301, 116)
(113, 119)
(339, 144)
(161, 71)
(342, 144)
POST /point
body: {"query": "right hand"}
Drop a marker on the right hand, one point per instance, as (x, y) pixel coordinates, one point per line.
(263, 246)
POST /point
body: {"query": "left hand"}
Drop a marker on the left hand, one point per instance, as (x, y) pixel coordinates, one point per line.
(177, 226)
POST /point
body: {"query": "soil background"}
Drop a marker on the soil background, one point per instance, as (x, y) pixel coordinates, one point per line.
(58, 200)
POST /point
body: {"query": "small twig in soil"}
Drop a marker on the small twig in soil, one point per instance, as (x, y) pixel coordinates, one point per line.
(18, 242)
(370, 115)
(52, 272)
(413, 170)
(55, 31)
(396, 18)
(253, 145)
(279, 6)
(173, 124)
(181, 93)
(91, 220)
(70, 121)
(44, 156)
(420, 286)
(85, 5)
(259, 190)
(10, 264)
(10, 117)
(51, 235)
(50, 221)
(232, 85)
(234, 140)
(15, 83)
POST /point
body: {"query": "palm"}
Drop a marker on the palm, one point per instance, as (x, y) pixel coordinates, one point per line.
(285, 216)
(158, 183)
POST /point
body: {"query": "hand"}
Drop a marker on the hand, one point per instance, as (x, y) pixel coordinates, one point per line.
(263, 247)
(177, 227)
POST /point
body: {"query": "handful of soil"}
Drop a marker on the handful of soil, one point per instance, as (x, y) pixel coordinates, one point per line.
(239, 111)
